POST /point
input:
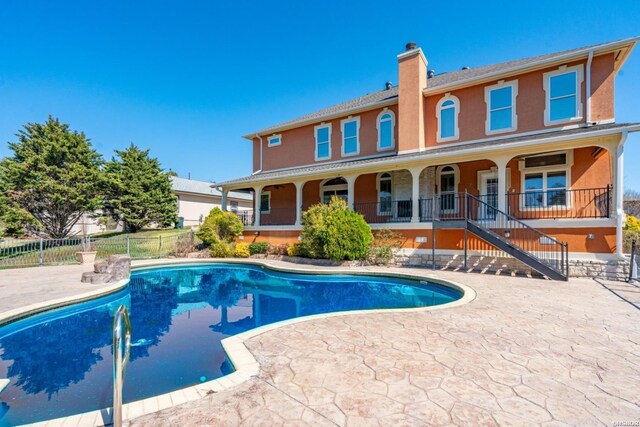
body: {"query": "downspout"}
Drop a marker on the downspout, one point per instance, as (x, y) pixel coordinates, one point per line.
(588, 87)
(260, 168)
(619, 193)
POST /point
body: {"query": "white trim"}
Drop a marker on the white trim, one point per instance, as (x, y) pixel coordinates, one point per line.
(335, 187)
(343, 122)
(412, 52)
(393, 128)
(272, 137)
(268, 194)
(315, 134)
(544, 170)
(456, 105)
(378, 204)
(456, 180)
(579, 70)
(487, 99)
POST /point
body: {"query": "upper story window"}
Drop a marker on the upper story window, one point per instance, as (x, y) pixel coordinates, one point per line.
(562, 100)
(274, 140)
(385, 125)
(447, 112)
(501, 107)
(323, 142)
(350, 143)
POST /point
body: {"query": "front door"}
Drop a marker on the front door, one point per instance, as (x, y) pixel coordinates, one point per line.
(489, 196)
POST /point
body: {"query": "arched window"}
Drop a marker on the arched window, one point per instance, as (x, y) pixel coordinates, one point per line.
(386, 123)
(384, 194)
(333, 187)
(447, 112)
(448, 179)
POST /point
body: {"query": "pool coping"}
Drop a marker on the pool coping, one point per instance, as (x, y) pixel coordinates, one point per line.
(245, 364)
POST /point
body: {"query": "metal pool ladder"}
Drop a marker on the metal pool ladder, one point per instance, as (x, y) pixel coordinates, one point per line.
(121, 352)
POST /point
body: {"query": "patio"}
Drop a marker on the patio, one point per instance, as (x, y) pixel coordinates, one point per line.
(524, 351)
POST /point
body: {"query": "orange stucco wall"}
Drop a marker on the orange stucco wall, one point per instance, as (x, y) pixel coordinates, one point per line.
(602, 87)
(282, 205)
(298, 145)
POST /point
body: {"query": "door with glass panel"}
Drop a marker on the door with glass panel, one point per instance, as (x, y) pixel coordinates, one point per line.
(489, 195)
(334, 187)
(448, 199)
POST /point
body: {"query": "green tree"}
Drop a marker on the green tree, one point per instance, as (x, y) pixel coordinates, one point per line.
(53, 177)
(138, 190)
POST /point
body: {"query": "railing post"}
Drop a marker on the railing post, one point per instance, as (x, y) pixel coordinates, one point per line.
(608, 200)
(632, 261)
(41, 254)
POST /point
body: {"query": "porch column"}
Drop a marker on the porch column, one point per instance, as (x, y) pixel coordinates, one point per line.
(415, 193)
(223, 201)
(618, 191)
(351, 181)
(257, 192)
(299, 187)
(501, 163)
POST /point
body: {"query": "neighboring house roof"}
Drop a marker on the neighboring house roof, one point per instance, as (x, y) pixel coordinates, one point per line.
(579, 132)
(192, 186)
(445, 80)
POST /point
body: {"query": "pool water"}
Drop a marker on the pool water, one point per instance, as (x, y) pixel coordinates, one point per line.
(60, 363)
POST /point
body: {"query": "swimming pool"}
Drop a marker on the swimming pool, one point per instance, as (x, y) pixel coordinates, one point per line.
(59, 363)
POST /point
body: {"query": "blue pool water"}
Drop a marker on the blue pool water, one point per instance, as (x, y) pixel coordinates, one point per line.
(60, 363)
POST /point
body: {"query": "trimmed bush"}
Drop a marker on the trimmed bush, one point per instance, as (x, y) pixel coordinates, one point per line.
(296, 249)
(256, 248)
(220, 226)
(242, 250)
(336, 232)
(221, 249)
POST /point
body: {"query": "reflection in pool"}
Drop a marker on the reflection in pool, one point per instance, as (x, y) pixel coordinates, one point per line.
(59, 363)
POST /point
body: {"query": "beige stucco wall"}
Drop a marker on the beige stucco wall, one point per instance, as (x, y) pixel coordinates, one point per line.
(192, 206)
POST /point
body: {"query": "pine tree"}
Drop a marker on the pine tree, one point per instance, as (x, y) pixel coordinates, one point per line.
(138, 190)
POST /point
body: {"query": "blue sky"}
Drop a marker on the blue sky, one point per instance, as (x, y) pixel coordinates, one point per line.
(187, 79)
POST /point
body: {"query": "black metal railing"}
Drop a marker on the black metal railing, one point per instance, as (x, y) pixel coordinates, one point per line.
(583, 203)
(246, 217)
(386, 211)
(543, 247)
(426, 209)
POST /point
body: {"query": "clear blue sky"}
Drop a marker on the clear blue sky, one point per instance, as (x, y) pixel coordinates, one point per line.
(187, 79)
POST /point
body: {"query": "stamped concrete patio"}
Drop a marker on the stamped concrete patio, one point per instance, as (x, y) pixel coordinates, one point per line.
(525, 351)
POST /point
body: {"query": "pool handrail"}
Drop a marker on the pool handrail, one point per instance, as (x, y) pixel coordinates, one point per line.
(121, 352)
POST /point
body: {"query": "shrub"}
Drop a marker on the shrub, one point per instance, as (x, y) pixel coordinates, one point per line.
(221, 249)
(258, 248)
(220, 226)
(384, 244)
(277, 249)
(185, 244)
(336, 232)
(631, 232)
(296, 249)
(242, 250)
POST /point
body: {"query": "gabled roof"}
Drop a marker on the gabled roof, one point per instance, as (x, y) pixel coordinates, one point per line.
(184, 185)
(451, 79)
(430, 153)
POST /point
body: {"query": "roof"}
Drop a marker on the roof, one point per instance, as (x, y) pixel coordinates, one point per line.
(318, 169)
(440, 81)
(184, 185)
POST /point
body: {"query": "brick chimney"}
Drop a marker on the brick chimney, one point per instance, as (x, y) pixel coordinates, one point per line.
(412, 79)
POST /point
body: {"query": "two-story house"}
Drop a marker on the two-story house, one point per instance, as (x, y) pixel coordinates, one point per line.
(524, 156)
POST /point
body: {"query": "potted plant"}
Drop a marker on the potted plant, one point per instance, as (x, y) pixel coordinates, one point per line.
(87, 255)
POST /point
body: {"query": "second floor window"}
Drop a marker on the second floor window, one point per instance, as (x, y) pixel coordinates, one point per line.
(350, 145)
(563, 95)
(323, 142)
(501, 107)
(274, 140)
(385, 130)
(447, 112)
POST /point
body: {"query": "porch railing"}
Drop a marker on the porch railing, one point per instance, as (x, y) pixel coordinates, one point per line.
(246, 217)
(385, 212)
(551, 204)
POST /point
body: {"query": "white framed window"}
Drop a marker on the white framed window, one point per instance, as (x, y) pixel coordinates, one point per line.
(545, 180)
(385, 124)
(563, 103)
(333, 187)
(234, 206)
(447, 111)
(265, 202)
(448, 178)
(501, 107)
(385, 196)
(274, 140)
(323, 141)
(350, 136)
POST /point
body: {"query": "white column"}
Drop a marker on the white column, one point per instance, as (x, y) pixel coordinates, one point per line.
(299, 187)
(351, 183)
(415, 193)
(618, 192)
(257, 192)
(223, 201)
(501, 163)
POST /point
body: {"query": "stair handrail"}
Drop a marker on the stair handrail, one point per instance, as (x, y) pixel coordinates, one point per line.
(121, 353)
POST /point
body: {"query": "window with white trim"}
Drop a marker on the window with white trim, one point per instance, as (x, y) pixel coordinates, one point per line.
(323, 142)
(562, 100)
(274, 140)
(448, 179)
(265, 202)
(350, 130)
(545, 180)
(447, 112)
(501, 107)
(385, 125)
(384, 194)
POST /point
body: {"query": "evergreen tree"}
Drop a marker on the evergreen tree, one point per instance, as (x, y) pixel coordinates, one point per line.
(138, 190)
(52, 177)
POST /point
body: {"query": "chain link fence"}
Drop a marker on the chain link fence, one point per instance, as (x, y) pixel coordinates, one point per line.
(34, 252)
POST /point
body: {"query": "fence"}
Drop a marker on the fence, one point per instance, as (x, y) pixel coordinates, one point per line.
(34, 252)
